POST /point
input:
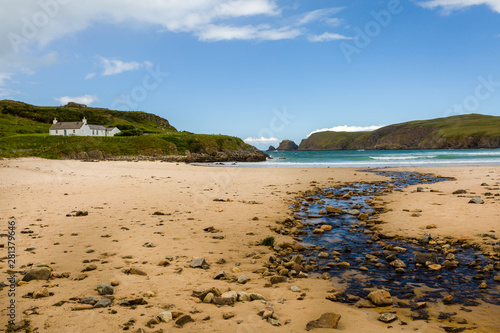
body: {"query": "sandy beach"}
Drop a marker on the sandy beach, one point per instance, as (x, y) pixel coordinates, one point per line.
(143, 213)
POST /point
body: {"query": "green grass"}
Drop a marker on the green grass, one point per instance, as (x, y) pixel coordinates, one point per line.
(52, 146)
(268, 241)
(126, 120)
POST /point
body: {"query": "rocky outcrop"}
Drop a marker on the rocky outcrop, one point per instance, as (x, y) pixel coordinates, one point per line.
(271, 148)
(287, 145)
(219, 156)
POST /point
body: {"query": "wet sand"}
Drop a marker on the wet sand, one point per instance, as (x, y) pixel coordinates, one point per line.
(121, 199)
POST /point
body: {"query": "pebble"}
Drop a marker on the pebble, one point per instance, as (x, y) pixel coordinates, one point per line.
(243, 279)
(102, 303)
(387, 317)
(165, 316)
(105, 289)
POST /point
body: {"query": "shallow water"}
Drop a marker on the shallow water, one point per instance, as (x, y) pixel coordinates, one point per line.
(416, 283)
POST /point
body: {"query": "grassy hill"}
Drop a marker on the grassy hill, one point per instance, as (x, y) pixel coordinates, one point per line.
(459, 132)
(24, 131)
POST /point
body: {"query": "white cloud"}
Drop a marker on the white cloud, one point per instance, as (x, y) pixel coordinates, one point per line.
(114, 66)
(89, 76)
(262, 142)
(451, 5)
(333, 21)
(319, 14)
(4, 77)
(85, 99)
(8, 93)
(262, 32)
(346, 128)
(327, 36)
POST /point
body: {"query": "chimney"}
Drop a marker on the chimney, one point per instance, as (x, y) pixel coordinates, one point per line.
(84, 121)
(54, 121)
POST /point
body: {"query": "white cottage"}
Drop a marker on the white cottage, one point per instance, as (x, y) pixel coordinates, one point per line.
(81, 128)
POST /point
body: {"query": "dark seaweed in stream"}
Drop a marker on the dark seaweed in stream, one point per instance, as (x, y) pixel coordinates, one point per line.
(360, 247)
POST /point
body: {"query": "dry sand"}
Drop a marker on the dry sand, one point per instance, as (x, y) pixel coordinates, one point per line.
(121, 198)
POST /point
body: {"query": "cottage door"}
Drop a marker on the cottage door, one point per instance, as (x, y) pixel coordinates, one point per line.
(64, 132)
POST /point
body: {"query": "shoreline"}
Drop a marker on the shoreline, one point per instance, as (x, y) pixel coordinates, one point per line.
(187, 193)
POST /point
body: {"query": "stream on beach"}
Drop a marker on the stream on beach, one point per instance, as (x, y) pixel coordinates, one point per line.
(365, 260)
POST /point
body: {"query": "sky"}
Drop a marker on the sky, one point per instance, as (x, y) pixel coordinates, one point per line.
(261, 70)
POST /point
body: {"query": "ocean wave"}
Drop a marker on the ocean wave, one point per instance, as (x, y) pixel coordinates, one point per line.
(412, 157)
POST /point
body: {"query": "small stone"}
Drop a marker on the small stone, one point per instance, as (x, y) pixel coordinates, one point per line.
(476, 200)
(105, 289)
(228, 315)
(327, 320)
(221, 275)
(387, 317)
(448, 299)
(434, 267)
(164, 263)
(326, 227)
(295, 289)
(243, 279)
(483, 285)
(183, 320)
(89, 268)
(431, 226)
(257, 297)
(273, 321)
(83, 307)
(380, 297)
(278, 279)
(199, 263)
(165, 316)
(44, 292)
(323, 255)
(102, 303)
(423, 258)
(244, 297)
(38, 273)
(398, 264)
(88, 300)
(114, 283)
(208, 298)
(148, 294)
(135, 271)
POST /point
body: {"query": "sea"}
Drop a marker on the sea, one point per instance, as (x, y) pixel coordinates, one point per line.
(378, 158)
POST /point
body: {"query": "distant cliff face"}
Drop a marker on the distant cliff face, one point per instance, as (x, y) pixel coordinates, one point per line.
(287, 145)
(456, 132)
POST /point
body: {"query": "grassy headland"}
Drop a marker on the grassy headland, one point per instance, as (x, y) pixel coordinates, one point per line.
(25, 132)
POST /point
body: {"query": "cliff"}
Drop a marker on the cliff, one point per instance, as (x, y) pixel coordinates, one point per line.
(455, 132)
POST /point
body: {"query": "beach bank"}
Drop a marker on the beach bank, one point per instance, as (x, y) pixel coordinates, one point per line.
(141, 214)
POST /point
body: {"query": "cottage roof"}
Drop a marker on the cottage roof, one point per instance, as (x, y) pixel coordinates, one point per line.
(97, 127)
(110, 128)
(66, 125)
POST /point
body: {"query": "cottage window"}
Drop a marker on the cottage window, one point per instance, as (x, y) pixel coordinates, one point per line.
(74, 131)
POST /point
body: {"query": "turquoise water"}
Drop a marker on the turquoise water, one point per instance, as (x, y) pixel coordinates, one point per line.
(380, 158)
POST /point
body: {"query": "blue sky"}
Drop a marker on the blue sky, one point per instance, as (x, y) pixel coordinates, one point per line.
(262, 70)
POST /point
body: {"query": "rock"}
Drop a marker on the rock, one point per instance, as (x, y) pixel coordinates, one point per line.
(431, 226)
(257, 297)
(88, 300)
(398, 264)
(152, 322)
(227, 298)
(244, 297)
(273, 321)
(164, 263)
(83, 307)
(459, 192)
(448, 299)
(90, 268)
(102, 303)
(380, 297)
(387, 317)
(434, 267)
(44, 292)
(208, 298)
(148, 294)
(333, 210)
(420, 315)
(82, 213)
(297, 259)
(363, 217)
(135, 271)
(221, 275)
(452, 329)
(353, 212)
(105, 289)
(278, 279)
(423, 258)
(243, 279)
(318, 231)
(323, 255)
(326, 227)
(327, 320)
(476, 200)
(148, 244)
(483, 285)
(497, 278)
(165, 316)
(38, 273)
(183, 320)
(228, 315)
(295, 289)
(199, 263)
